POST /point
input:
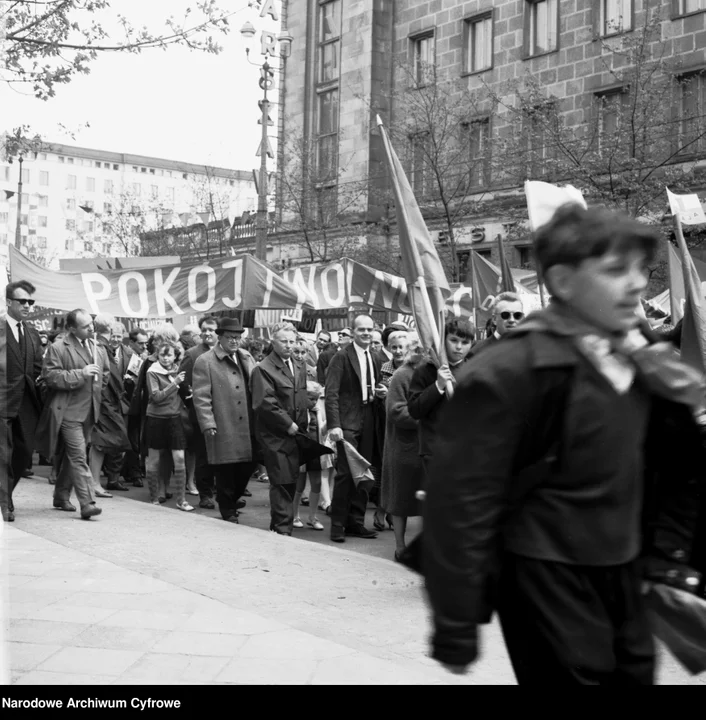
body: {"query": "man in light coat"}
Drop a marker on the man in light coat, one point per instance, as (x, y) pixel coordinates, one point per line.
(223, 405)
(280, 406)
(75, 371)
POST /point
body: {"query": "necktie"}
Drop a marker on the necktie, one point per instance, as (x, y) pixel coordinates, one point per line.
(21, 339)
(369, 385)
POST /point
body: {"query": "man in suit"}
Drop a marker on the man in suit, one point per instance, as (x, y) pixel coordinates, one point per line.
(23, 404)
(354, 404)
(196, 457)
(313, 351)
(280, 405)
(223, 405)
(75, 372)
(506, 314)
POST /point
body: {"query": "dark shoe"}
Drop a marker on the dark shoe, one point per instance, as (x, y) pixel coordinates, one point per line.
(117, 485)
(240, 504)
(207, 504)
(379, 526)
(169, 495)
(27, 473)
(162, 499)
(328, 511)
(338, 535)
(64, 505)
(43, 460)
(89, 512)
(305, 502)
(247, 493)
(10, 516)
(51, 480)
(233, 519)
(137, 482)
(361, 532)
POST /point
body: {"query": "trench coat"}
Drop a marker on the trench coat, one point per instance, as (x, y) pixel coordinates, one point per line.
(278, 401)
(63, 375)
(110, 432)
(222, 401)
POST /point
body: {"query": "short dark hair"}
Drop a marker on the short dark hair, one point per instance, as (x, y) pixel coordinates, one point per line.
(208, 318)
(25, 285)
(576, 234)
(138, 331)
(72, 317)
(393, 327)
(324, 332)
(365, 315)
(461, 327)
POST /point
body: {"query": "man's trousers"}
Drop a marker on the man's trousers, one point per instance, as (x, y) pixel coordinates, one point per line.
(231, 481)
(282, 507)
(73, 468)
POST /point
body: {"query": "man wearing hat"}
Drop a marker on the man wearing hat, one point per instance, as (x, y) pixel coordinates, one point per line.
(223, 406)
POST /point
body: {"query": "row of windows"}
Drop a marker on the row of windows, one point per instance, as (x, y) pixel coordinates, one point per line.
(541, 32)
(327, 98)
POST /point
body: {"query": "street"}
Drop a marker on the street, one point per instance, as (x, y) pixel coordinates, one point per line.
(146, 594)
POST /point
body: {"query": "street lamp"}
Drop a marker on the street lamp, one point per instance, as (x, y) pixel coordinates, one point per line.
(266, 82)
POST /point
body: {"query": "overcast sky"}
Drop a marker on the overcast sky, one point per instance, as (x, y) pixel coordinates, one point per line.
(174, 104)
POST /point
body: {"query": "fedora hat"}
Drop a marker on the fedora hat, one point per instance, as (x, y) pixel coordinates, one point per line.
(228, 324)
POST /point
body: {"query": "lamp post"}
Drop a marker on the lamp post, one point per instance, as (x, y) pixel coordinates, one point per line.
(266, 83)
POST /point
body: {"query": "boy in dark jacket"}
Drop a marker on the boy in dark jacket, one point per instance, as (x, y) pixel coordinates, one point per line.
(545, 524)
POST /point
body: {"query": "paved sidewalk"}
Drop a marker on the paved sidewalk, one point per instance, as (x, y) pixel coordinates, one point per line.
(150, 595)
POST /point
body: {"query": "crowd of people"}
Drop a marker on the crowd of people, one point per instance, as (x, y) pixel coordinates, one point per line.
(561, 457)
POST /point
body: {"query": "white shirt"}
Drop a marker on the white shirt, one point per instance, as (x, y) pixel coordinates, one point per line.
(13, 326)
(364, 370)
(497, 335)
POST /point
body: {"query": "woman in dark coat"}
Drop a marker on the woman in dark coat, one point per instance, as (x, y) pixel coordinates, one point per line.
(402, 469)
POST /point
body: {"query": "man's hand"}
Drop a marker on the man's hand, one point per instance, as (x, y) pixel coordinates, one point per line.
(444, 376)
(335, 434)
(293, 429)
(210, 432)
(381, 391)
(91, 370)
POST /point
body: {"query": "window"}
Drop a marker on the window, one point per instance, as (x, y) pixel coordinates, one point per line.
(87, 204)
(90, 184)
(170, 194)
(611, 108)
(479, 149)
(151, 171)
(88, 245)
(144, 170)
(539, 121)
(70, 182)
(25, 175)
(326, 198)
(423, 58)
(4, 218)
(154, 189)
(70, 224)
(98, 164)
(42, 156)
(116, 167)
(478, 43)
(42, 201)
(3, 238)
(108, 208)
(419, 165)
(108, 187)
(69, 244)
(329, 40)
(136, 189)
(24, 219)
(25, 198)
(41, 242)
(7, 172)
(615, 16)
(692, 130)
(42, 221)
(43, 177)
(541, 26)
(70, 161)
(686, 7)
(88, 226)
(61, 158)
(106, 228)
(134, 168)
(327, 135)
(70, 204)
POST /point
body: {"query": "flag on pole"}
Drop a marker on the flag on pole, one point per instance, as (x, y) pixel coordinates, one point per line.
(426, 281)
(544, 199)
(506, 283)
(677, 295)
(693, 334)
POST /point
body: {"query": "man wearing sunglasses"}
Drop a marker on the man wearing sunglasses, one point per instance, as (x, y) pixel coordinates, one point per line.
(23, 405)
(507, 313)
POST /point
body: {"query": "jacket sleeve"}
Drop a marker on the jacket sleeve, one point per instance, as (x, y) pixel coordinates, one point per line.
(187, 367)
(203, 395)
(464, 506)
(424, 396)
(267, 405)
(159, 395)
(38, 359)
(321, 366)
(397, 409)
(333, 390)
(54, 374)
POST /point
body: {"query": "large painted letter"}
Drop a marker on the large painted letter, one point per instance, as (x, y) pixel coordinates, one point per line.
(161, 292)
(339, 300)
(95, 294)
(144, 308)
(207, 304)
(237, 298)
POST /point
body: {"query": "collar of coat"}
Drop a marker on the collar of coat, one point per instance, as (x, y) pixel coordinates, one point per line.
(159, 369)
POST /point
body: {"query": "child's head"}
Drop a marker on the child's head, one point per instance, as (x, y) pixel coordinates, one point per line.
(458, 338)
(596, 261)
(313, 392)
(168, 354)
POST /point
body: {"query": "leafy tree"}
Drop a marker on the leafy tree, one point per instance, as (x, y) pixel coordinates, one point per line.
(48, 42)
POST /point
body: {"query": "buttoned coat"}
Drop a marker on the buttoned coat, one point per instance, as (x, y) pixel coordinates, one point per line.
(63, 375)
(222, 402)
(110, 432)
(279, 399)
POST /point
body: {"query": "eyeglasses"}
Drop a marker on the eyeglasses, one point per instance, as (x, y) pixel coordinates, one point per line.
(24, 301)
(343, 335)
(516, 315)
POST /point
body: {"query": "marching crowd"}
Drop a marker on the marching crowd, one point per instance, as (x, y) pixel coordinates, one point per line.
(561, 456)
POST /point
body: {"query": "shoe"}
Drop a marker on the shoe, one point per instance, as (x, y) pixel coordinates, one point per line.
(192, 491)
(297, 523)
(43, 461)
(314, 524)
(240, 504)
(51, 480)
(328, 511)
(263, 478)
(305, 502)
(247, 493)
(185, 506)
(277, 532)
(381, 525)
(338, 535)
(10, 516)
(117, 485)
(361, 532)
(89, 512)
(156, 502)
(64, 505)
(27, 473)
(169, 495)
(162, 499)
(102, 494)
(137, 482)
(207, 504)
(233, 519)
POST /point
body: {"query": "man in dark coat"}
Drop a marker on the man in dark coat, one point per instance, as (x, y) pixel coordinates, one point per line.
(506, 314)
(545, 522)
(280, 405)
(23, 405)
(354, 412)
(203, 474)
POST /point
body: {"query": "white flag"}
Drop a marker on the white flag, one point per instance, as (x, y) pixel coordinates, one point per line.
(689, 207)
(544, 199)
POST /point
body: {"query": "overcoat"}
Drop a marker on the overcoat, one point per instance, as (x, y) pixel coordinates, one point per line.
(110, 432)
(222, 402)
(278, 401)
(63, 375)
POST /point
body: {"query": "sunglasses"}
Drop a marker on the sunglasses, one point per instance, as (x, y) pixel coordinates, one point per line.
(24, 301)
(343, 335)
(516, 315)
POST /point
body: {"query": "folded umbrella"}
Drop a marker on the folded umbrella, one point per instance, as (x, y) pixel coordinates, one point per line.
(358, 466)
(310, 449)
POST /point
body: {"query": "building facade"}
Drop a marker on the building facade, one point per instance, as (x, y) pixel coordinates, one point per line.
(81, 202)
(551, 89)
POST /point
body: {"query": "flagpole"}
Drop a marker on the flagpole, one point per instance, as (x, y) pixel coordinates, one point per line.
(474, 292)
(540, 284)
